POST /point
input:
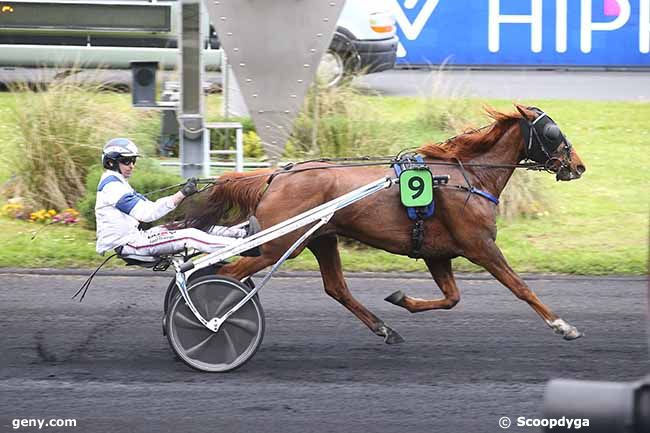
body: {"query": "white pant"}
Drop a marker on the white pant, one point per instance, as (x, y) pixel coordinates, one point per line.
(160, 240)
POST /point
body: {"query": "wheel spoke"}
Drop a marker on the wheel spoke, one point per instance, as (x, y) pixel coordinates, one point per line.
(231, 299)
(230, 345)
(207, 310)
(245, 324)
(187, 322)
(200, 345)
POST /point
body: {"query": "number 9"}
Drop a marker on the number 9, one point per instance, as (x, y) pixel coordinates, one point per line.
(416, 184)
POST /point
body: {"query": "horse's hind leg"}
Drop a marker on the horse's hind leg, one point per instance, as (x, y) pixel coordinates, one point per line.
(491, 258)
(326, 252)
(443, 275)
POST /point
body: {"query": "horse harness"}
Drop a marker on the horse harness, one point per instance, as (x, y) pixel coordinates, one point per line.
(417, 213)
(410, 162)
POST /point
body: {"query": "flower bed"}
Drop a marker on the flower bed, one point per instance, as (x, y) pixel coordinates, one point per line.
(43, 216)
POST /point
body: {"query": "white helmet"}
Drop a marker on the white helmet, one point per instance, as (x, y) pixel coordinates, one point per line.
(116, 148)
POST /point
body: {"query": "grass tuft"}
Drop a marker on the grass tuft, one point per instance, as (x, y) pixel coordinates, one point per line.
(337, 122)
(59, 132)
(447, 107)
(523, 197)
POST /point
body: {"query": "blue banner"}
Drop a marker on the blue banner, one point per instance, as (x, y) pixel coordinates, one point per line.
(538, 33)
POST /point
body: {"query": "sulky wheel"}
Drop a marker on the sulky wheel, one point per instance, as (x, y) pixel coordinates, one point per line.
(236, 341)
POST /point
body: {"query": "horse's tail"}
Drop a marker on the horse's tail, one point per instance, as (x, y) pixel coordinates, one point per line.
(233, 197)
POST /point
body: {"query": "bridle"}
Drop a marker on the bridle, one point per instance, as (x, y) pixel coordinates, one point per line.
(542, 138)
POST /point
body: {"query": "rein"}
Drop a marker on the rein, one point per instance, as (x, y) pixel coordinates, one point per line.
(394, 160)
(379, 161)
(288, 168)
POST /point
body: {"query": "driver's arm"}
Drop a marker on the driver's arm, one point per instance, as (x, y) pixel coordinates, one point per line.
(144, 210)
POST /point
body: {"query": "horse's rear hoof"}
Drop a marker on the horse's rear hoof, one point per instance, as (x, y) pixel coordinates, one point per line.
(396, 298)
(393, 338)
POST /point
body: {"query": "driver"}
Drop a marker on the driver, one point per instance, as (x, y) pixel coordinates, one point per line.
(119, 210)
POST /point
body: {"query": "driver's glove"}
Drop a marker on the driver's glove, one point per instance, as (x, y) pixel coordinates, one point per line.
(190, 187)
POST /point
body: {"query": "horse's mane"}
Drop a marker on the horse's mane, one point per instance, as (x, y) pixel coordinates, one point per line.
(475, 141)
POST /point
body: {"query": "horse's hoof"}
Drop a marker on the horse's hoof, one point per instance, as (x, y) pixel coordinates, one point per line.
(390, 336)
(573, 334)
(393, 338)
(567, 331)
(396, 298)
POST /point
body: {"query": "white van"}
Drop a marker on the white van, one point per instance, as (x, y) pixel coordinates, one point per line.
(112, 33)
(364, 41)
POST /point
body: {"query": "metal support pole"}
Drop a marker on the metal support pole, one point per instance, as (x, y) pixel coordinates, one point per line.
(239, 147)
(206, 153)
(191, 130)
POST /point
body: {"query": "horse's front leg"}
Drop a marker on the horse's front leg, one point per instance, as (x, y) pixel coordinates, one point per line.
(443, 275)
(490, 257)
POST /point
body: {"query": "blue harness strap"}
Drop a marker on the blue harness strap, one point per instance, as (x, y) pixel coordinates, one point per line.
(428, 211)
(425, 211)
(484, 194)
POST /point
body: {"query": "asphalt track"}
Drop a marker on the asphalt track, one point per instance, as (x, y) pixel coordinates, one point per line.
(105, 363)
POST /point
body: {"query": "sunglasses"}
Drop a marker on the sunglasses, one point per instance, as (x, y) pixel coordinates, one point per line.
(127, 160)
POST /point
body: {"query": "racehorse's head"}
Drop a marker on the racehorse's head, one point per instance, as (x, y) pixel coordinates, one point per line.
(545, 144)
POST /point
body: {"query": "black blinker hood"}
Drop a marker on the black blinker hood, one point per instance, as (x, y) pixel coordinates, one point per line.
(546, 138)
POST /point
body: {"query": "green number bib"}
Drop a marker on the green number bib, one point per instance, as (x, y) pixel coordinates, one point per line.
(416, 187)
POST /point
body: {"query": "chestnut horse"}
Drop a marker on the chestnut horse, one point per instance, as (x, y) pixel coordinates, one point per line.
(463, 223)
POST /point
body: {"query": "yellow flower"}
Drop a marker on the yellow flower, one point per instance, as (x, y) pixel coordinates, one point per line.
(42, 215)
(11, 209)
